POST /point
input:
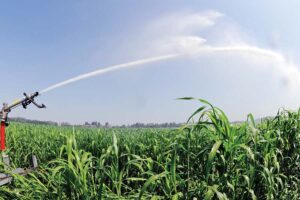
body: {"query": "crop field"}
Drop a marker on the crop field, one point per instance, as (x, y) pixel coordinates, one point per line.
(208, 158)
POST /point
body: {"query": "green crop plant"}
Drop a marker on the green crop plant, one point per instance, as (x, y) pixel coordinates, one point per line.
(207, 158)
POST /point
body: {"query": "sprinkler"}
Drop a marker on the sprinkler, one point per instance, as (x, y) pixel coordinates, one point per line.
(7, 108)
(28, 99)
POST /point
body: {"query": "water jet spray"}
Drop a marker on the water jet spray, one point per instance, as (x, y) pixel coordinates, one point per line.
(109, 69)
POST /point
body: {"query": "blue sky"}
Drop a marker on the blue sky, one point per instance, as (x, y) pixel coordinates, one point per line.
(42, 43)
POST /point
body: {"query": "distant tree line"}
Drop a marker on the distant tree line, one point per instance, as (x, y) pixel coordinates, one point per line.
(24, 120)
(135, 125)
(96, 124)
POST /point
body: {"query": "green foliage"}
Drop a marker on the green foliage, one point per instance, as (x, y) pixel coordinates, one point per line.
(208, 158)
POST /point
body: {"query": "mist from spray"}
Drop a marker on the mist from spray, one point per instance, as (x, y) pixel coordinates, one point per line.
(109, 69)
(288, 70)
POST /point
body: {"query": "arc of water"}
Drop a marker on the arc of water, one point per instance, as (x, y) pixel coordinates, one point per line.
(109, 69)
(289, 69)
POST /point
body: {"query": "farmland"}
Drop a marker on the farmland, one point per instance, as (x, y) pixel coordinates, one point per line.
(208, 158)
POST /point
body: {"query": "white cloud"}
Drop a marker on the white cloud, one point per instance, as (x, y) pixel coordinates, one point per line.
(183, 23)
(205, 33)
(199, 33)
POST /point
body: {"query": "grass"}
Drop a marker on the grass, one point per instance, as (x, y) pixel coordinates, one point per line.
(208, 158)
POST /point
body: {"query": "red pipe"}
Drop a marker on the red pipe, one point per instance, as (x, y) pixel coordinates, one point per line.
(2, 136)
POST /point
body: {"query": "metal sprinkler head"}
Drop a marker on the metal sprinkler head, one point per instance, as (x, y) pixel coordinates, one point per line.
(25, 101)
